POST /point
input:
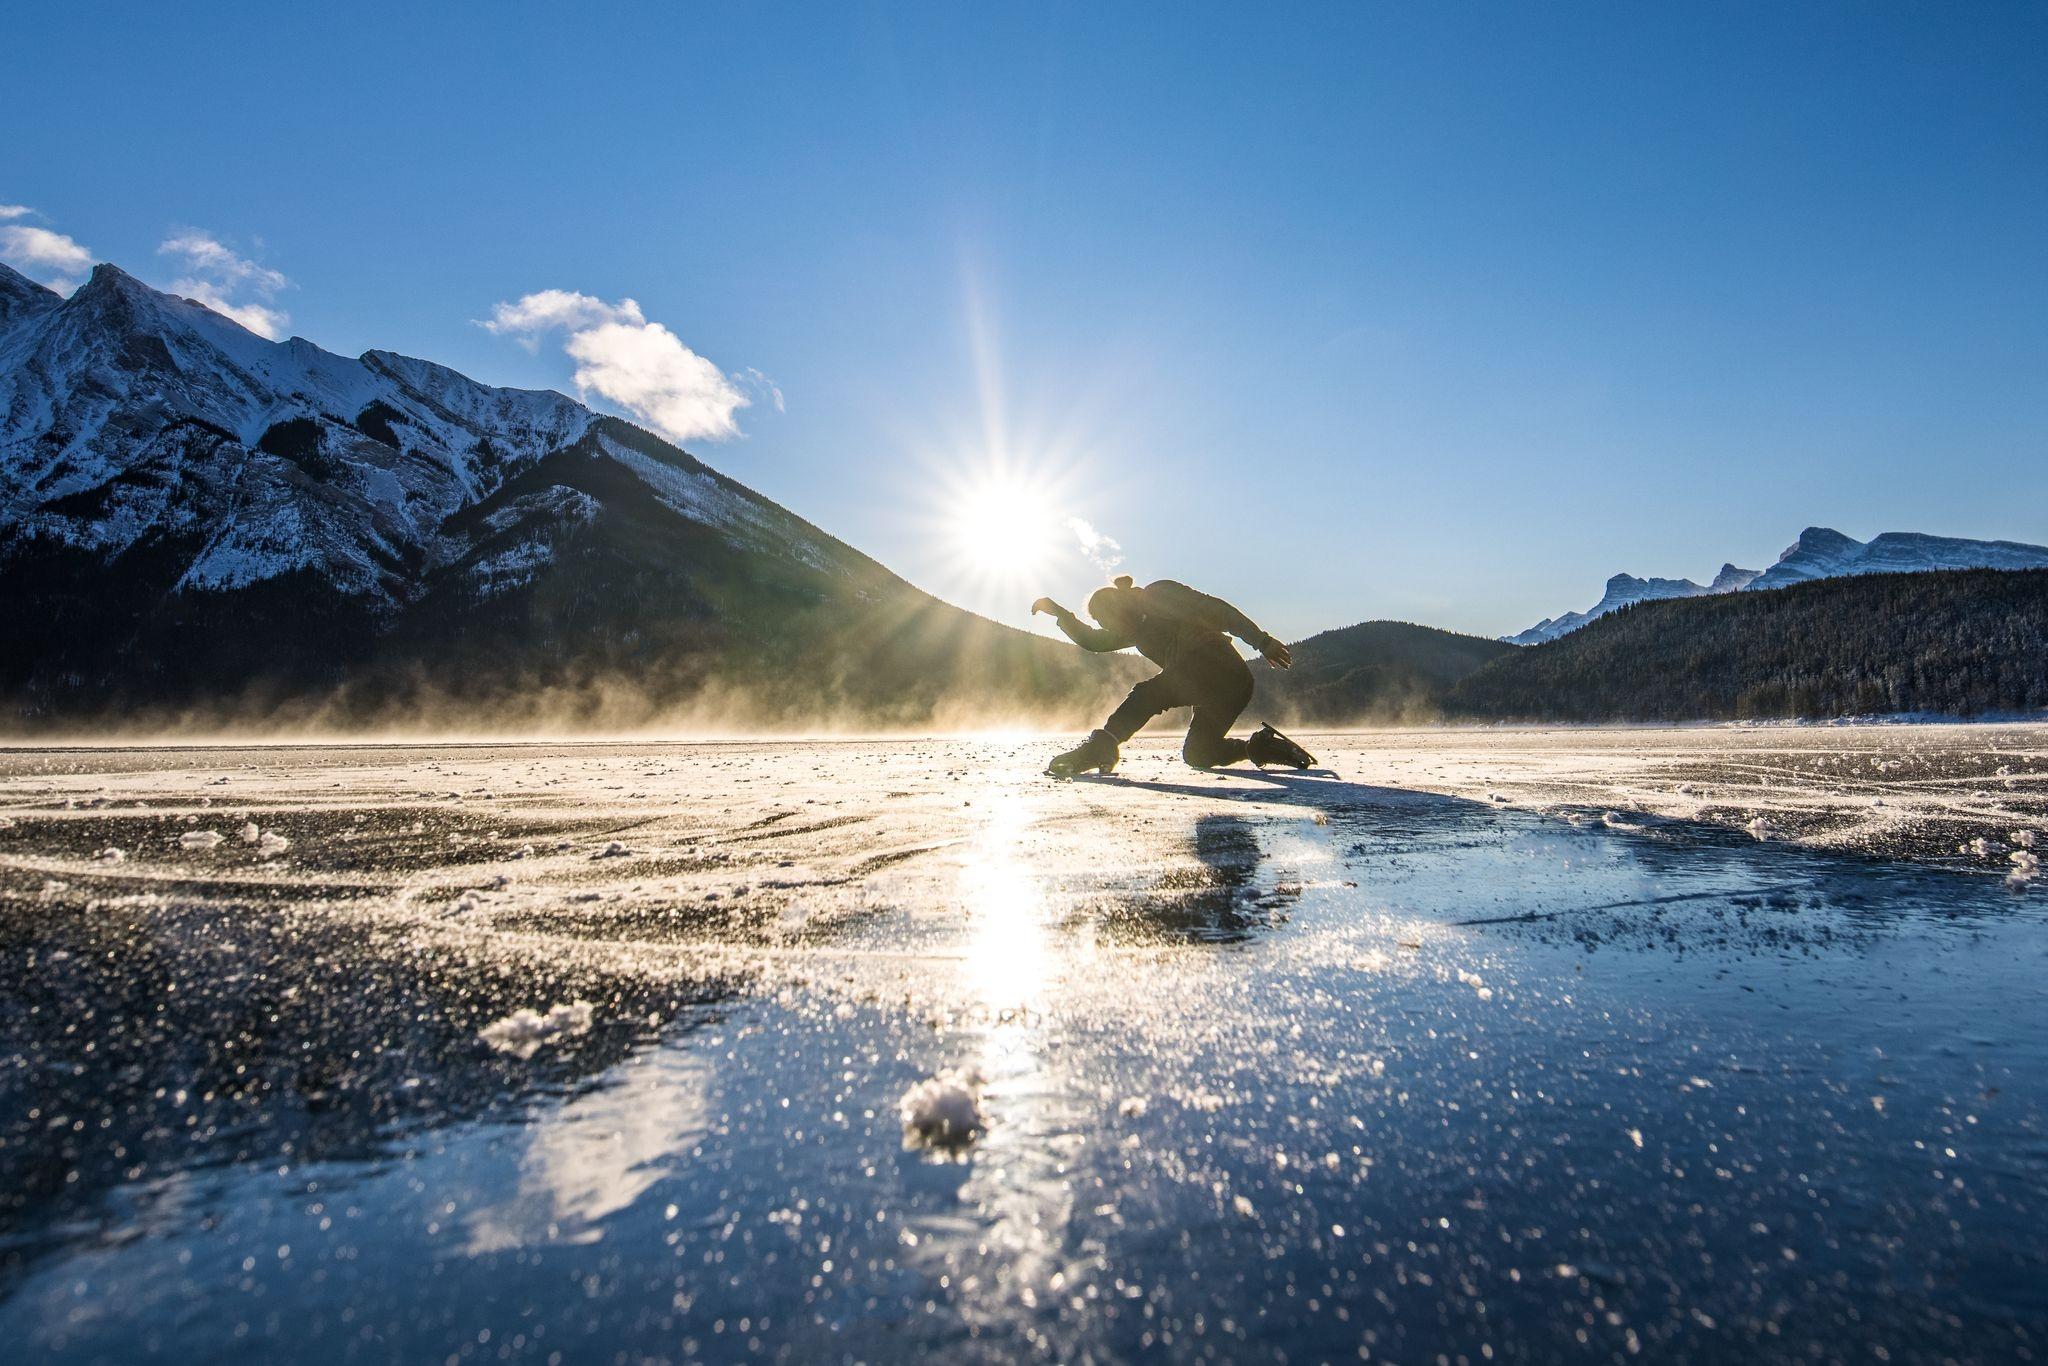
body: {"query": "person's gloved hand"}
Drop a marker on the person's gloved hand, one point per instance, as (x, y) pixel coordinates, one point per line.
(1047, 606)
(1277, 654)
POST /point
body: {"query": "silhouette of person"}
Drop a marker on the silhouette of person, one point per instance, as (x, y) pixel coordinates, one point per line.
(1182, 631)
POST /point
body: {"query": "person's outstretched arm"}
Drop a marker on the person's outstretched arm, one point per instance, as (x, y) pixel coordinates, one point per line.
(1213, 612)
(1080, 632)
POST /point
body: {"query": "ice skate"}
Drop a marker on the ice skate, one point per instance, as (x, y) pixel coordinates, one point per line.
(1269, 746)
(1098, 752)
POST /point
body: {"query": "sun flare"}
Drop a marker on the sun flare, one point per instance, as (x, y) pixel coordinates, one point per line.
(1003, 528)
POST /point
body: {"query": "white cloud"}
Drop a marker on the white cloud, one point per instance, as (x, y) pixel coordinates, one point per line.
(639, 365)
(224, 280)
(760, 383)
(51, 257)
(1102, 551)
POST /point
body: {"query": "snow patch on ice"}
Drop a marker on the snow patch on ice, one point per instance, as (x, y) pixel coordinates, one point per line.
(2025, 868)
(943, 1112)
(526, 1031)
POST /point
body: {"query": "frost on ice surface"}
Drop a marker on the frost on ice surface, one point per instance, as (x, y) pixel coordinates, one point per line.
(943, 1112)
(266, 841)
(201, 839)
(526, 1031)
(1477, 983)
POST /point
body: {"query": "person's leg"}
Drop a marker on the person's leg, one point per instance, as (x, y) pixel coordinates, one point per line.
(1100, 751)
(1209, 744)
(1161, 692)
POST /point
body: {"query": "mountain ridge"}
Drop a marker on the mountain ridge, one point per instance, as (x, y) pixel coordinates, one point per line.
(1951, 642)
(192, 516)
(1819, 552)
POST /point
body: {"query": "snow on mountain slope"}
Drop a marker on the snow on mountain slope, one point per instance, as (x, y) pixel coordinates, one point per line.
(22, 299)
(132, 418)
(194, 516)
(1622, 590)
(1819, 553)
(1731, 578)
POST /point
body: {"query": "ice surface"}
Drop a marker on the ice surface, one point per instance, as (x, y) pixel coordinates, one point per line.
(1377, 1041)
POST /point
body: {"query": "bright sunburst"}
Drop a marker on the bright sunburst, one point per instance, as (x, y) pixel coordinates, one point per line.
(1004, 529)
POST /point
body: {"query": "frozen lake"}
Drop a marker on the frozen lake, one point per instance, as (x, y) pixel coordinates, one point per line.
(1707, 1045)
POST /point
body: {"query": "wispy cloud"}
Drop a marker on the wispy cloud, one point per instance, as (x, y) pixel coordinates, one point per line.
(639, 365)
(227, 282)
(39, 253)
(761, 384)
(1102, 551)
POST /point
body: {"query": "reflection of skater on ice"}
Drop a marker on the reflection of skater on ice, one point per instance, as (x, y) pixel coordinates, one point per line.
(1181, 631)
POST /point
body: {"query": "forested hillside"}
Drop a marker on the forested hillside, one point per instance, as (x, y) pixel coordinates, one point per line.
(1377, 672)
(1961, 643)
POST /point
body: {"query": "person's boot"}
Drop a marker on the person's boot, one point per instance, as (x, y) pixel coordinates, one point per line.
(1269, 746)
(1098, 751)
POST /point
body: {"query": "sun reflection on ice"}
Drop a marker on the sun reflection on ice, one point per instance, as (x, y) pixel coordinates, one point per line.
(1009, 958)
(1014, 960)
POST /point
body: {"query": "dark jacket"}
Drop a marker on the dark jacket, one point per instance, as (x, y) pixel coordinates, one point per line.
(1179, 627)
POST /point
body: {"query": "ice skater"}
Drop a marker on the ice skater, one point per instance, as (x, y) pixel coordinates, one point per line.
(1181, 631)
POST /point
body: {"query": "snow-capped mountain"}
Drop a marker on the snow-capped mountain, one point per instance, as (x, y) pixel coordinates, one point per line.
(1822, 554)
(186, 507)
(1819, 553)
(1624, 589)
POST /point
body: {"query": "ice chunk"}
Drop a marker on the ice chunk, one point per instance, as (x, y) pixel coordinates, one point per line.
(1761, 828)
(526, 1031)
(2025, 867)
(200, 839)
(943, 1112)
(272, 843)
(250, 833)
(613, 850)
(110, 855)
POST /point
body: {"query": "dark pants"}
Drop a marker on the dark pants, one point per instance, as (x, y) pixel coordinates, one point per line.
(1215, 683)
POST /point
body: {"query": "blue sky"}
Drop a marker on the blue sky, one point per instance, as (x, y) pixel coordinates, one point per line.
(1440, 313)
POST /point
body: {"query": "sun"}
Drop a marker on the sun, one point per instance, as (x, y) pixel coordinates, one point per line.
(1003, 528)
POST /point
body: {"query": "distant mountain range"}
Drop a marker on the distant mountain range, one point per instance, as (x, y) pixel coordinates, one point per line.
(197, 521)
(1819, 553)
(199, 526)
(1944, 642)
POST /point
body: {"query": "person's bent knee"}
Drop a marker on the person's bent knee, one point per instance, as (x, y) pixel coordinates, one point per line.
(1146, 701)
